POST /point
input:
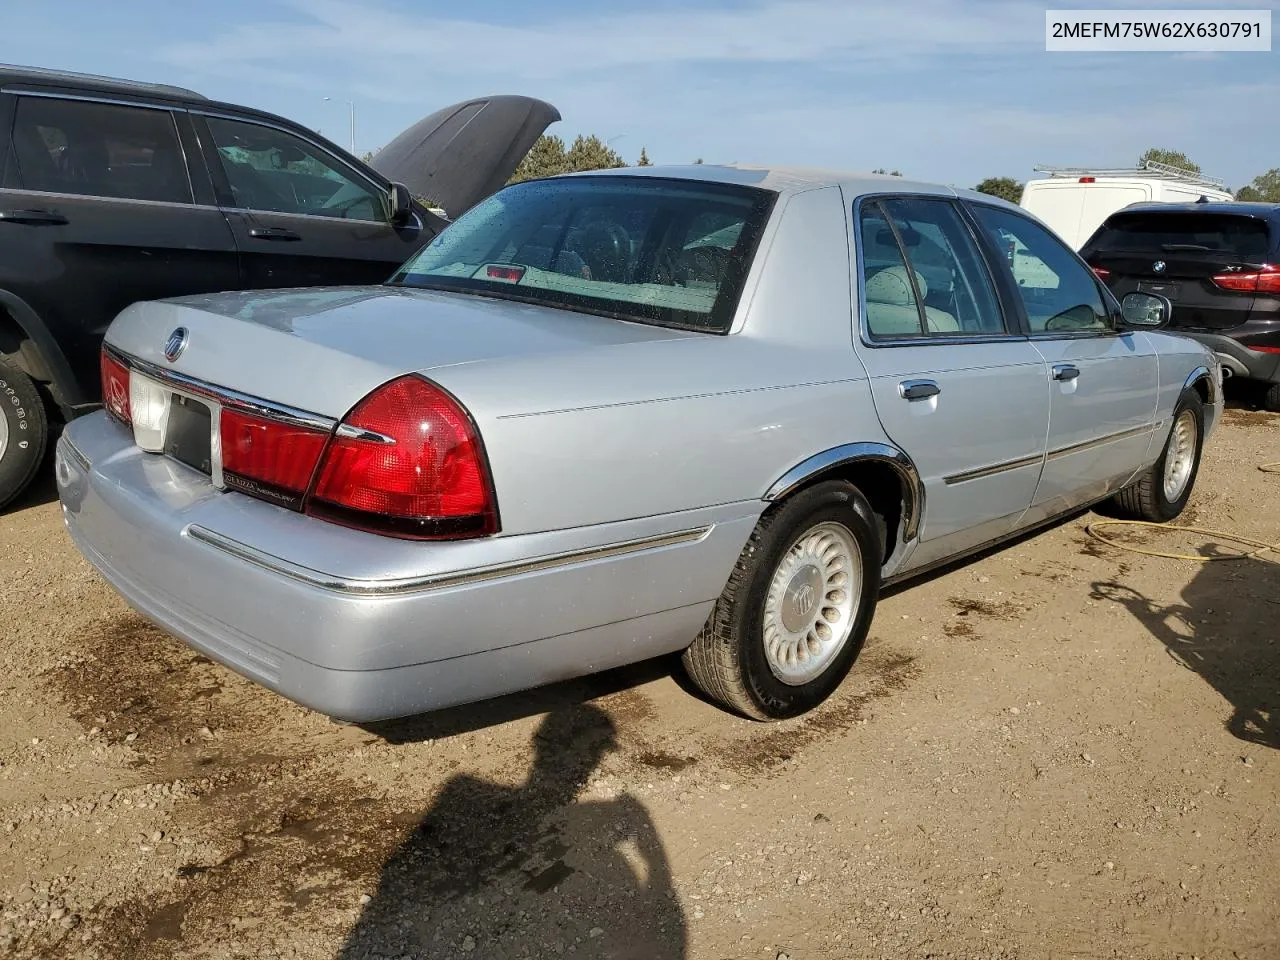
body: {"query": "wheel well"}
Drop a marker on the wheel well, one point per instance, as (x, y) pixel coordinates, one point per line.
(881, 484)
(19, 350)
(1202, 387)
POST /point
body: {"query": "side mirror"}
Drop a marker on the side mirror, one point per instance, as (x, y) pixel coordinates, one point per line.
(401, 204)
(1146, 310)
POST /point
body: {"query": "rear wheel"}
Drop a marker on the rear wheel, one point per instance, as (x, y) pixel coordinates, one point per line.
(1162, 491)
(23, 431)
(797, 607)
(1271, 398)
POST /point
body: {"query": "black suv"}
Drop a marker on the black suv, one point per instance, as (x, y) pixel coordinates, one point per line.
(113, 191)
(1218, 263)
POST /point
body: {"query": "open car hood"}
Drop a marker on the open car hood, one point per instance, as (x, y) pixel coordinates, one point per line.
(459, 155)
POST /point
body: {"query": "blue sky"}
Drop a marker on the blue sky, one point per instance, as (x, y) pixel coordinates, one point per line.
(945, 90)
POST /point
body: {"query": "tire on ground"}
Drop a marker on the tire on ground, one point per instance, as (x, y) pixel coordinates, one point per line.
(1145, 498)
(1271, 398)
(22, 444)
(728, 659)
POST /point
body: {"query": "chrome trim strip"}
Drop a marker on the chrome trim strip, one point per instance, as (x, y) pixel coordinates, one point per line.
(913, 502)
(96, 198)
(1099, 441)
(16, 91)
(1202, 373)
(994, 469)
(75, 453)
(223, 395)
(357, 433)
(437, 581)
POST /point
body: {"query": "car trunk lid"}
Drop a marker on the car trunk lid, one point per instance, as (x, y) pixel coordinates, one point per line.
(1178, 255)
(457, 156)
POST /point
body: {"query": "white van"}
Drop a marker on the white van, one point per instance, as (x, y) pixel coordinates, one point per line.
(1075, 201)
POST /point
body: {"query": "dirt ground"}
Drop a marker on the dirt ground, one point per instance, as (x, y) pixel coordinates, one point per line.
(1059, 750)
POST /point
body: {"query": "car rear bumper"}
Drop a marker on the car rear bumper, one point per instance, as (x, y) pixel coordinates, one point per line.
(1238, 360)
(364, 628)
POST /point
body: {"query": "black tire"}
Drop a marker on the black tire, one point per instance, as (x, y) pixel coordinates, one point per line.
(728, 660)
(27, 434)
(1145, 498)
(1271, 398)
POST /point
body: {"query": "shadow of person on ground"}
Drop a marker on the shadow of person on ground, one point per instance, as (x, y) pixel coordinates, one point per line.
(1225, 630)
(499, 871)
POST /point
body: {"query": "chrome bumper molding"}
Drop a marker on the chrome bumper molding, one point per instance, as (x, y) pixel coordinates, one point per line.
(436, 581)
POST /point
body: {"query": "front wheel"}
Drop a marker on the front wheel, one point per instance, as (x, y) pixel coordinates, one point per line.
(797, 607)
(1161, 493)
(23, 431)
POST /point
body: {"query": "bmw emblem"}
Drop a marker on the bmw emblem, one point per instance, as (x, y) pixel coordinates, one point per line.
(1158, 266)
(176, 343)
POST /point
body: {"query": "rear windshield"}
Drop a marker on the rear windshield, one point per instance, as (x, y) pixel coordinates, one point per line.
(1241, 238)
(667, 252)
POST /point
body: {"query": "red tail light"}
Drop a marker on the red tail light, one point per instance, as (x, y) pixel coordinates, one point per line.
(1102, 272)
(1088, 179)
(268, 458)
(1264, 280)
(1264, 349)
(115, 388)
(407, 461)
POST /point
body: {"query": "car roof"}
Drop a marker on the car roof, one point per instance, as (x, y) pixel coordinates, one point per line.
(1268, 211)
(11, 74)
(789, 180)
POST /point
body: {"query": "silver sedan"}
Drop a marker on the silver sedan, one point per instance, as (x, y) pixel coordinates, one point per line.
(607, 417)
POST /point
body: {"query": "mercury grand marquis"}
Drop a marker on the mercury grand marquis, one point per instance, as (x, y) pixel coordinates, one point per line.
(612, 416)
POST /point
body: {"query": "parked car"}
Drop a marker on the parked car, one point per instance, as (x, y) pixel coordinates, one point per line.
(607, 417)
(1219, 265)
(113, 191)
(1075, 200)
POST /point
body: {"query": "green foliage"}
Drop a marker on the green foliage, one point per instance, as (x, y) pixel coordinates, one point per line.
(644, 159)
(367, 156)
(892, 173)
(1174, 158)
(1265, 188)
(592, 153)
(1006, 188)
(549, 157)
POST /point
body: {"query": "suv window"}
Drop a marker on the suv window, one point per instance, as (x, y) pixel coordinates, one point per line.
(929, 244)
(268, 169)
(98, 150)
(1240, 238)
(667, 252)
(1059, 292)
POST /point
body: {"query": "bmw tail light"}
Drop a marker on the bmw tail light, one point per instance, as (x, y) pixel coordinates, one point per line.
(115, 388)
(271, 459)
(407, 461)
(1266, 279)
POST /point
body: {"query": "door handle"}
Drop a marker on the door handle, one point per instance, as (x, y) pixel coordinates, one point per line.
(918, 389)
(34, 218)
(1065, 371)
(273, 233)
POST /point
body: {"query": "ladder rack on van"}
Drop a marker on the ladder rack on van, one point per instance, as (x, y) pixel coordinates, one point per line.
(1151, 169)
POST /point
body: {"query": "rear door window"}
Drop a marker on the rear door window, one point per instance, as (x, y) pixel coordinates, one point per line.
(97, 149)
(1185, 234)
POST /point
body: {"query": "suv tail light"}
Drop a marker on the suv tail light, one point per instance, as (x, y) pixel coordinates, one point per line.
(407, 461)
(1266, 279)
(115, 388)
(269, 458)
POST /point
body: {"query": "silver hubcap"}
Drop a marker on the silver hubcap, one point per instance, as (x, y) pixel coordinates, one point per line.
(812, 599)
(1179, 456)
(4, 435)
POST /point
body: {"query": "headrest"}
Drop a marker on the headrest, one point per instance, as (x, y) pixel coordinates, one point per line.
(892, 285)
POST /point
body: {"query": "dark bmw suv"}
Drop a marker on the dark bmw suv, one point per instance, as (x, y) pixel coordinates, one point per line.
(113, 192)
(1219, 265)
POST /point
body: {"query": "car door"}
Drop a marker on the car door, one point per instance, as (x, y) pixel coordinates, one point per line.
(1102, 379)
(99, 209)
(302, 216)
(955, 383)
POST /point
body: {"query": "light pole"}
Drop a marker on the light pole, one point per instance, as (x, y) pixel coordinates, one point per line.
(351, 104)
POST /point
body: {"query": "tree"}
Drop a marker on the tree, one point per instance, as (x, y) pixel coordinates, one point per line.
(1175, 158)
(699, 160)
(1006, 188)
(1265, 188)
(592, 153)
(644, 159)
(367, 156)
(545, 158)
(892, 173)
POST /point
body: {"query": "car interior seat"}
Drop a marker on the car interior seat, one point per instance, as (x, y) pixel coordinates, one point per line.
(891, 306)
